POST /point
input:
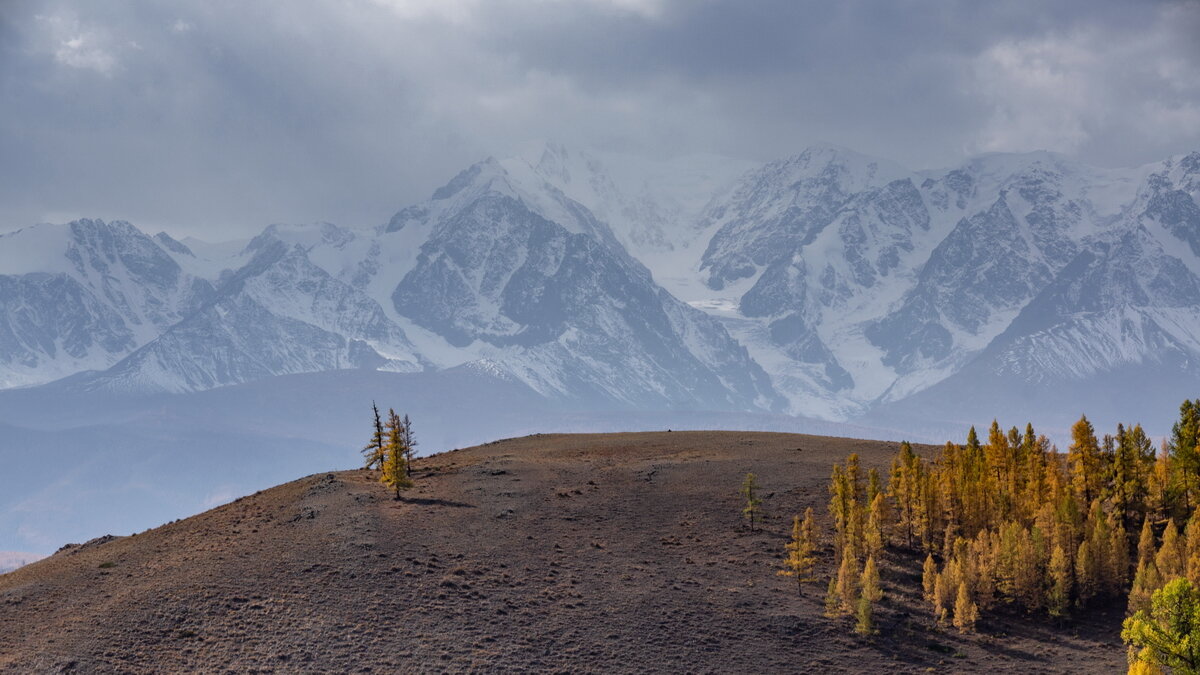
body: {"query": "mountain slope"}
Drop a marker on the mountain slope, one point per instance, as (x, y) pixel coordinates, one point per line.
(83, 295)
(561, 304)
(857, 283)
(279, 314)
(1115, 332)
(548, 553)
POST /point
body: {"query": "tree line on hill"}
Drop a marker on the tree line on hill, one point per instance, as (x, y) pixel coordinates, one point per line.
(1011, 520)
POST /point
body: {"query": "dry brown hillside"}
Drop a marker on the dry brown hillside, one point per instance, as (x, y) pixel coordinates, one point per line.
(565, 553)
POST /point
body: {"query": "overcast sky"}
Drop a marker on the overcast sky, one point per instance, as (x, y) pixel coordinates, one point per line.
(217, 117)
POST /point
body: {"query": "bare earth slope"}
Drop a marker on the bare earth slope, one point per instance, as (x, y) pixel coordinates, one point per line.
(616, 552)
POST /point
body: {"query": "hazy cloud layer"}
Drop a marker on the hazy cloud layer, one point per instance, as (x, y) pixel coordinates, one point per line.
(215, 116)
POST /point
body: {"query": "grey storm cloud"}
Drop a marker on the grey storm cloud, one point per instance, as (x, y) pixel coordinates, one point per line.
(218, 117)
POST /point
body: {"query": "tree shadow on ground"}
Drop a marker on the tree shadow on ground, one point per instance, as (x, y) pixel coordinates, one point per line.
(424, 501)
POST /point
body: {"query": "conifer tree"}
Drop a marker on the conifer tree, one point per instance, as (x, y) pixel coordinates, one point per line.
(978, 562)
(870, 581)
(943, 598)
(1145, 582)
(998, 456)
(800, 561)
(752, 511)
(874, 487)
(951, 577)
(1146, 549)
(1103, 558)
(929, 513)
(833, 599)
(965, 611)
(847, 581)
(410, 445)
(905, 488)
(869, 594)
(854, 474)
(840, 500)
(395, 474)
(1058, 599)
(865, 615)
(1087, 573)
(1013, 519)
(1084, 458)
(1191, 548)
(1118, 571)
(856, 522)
(1128, 477)
(1168, 634)
(374, 449)
(856, 532)
(929, 576)
(876, 535)
(1181, 446)
(1169, 561)
(1162, 493)
(1141, 662)
(1034, 449)
(1016, 566)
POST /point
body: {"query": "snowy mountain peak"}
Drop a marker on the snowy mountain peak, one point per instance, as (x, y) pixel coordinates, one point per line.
(826, 284)
(851, 170)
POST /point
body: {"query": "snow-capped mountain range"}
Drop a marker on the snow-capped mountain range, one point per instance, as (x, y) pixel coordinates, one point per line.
(826, 285)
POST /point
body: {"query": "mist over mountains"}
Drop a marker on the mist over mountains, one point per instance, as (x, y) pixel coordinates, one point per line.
(565, 289)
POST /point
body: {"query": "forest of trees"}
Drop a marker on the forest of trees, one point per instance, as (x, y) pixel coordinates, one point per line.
(391, 449)
(1011, 520)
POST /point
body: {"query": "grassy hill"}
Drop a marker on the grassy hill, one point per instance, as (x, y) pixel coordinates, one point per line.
(605, 552)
